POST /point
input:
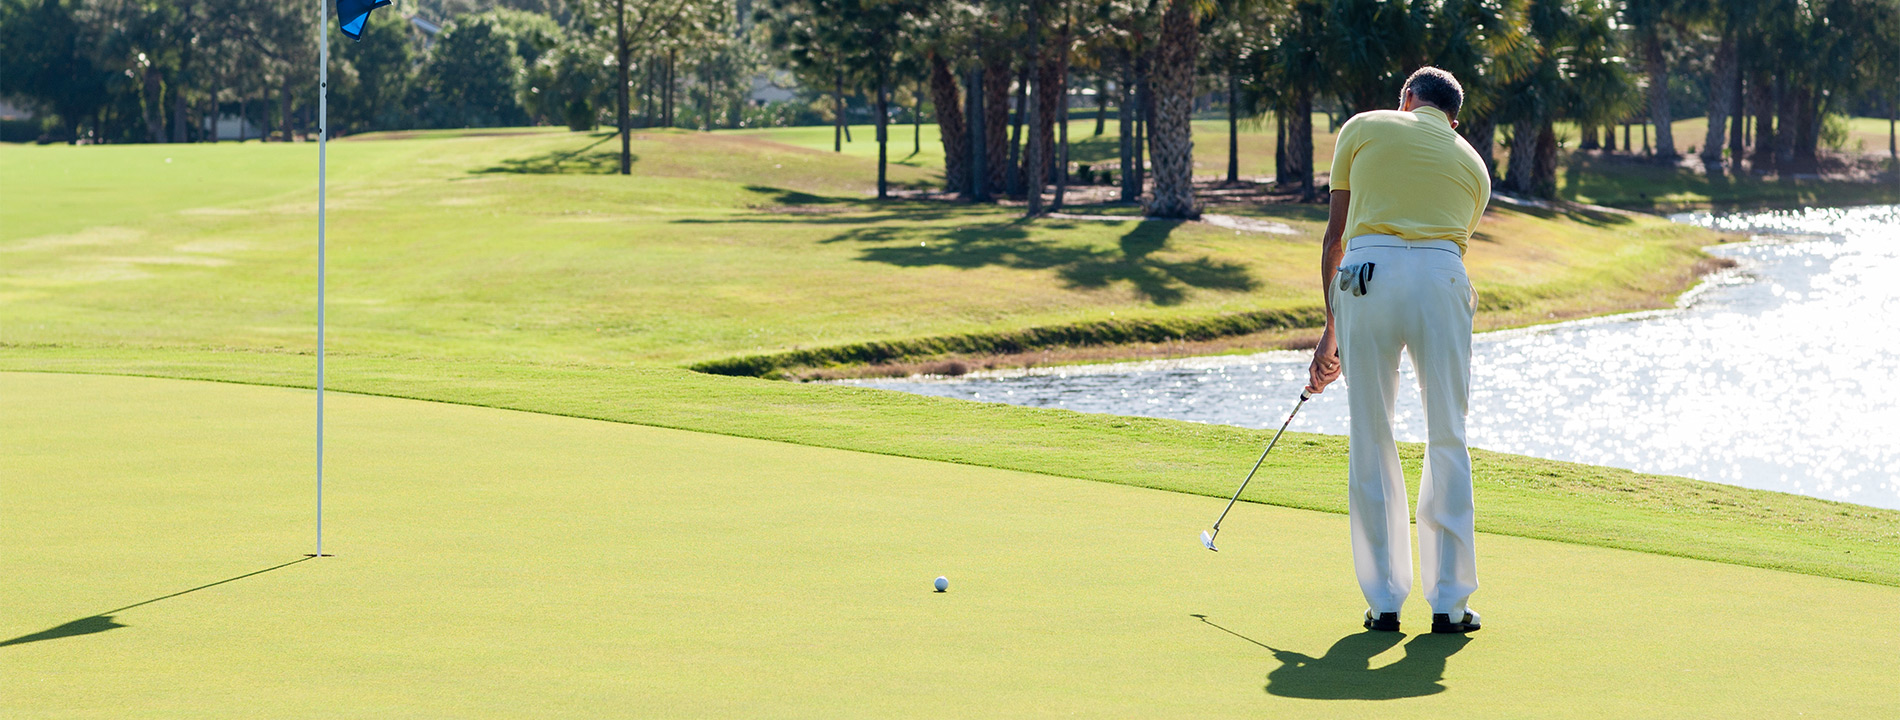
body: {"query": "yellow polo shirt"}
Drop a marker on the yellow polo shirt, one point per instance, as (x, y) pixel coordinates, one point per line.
(1411, 176)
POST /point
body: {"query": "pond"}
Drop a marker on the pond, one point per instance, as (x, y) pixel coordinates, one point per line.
(1783, 374)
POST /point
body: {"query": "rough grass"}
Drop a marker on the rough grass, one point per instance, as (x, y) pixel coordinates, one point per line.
(719, 246)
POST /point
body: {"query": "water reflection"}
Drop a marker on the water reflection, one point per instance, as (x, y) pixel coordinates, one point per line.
(1784, 375)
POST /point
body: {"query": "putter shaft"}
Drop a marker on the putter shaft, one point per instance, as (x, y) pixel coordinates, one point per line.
(1256, 464)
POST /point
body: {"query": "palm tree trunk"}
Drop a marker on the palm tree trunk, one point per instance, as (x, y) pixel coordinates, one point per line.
(1173, 137)
(1144, 117)
(1518, 177)
(153, 97)
(181, 126)
(1299, 143)
(1032, 172)
(666, 91)
(1785, 111)
(1721, 84)
(284, 119)
(1657, 65)
(1059, 97)
(1765, 93)
(1808, 110)
(883, 131)
(1062, 144)
(998, 129)
(1544, 163)
(975, 118)
(1233, 126)
(623, 57)
(1738, 120)
(1125, 124)
(1019, 112)
(1280, 176)
(943, 94)
(1052, 92)
(1482, 133)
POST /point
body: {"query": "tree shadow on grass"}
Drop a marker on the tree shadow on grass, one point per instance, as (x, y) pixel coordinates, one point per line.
(563, 162)
(102, 622)
(1345, 672)
(795, 207)
(1161, 281)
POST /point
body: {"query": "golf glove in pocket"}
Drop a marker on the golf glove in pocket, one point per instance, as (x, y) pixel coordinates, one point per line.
(1355, 278)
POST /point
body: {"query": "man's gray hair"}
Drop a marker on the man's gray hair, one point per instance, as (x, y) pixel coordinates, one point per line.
(1436, 87)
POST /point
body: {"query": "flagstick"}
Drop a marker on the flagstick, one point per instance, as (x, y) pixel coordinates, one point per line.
(323, 140)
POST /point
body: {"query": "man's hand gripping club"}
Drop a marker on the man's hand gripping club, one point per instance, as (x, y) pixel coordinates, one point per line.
(1325, 367)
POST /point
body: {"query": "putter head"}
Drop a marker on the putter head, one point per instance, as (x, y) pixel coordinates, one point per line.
(1208, 540)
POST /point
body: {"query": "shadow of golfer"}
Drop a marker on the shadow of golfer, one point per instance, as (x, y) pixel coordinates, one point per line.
(103, 621)
(1345, 672)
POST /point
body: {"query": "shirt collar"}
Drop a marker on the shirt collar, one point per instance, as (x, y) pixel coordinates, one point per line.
(1434, 112)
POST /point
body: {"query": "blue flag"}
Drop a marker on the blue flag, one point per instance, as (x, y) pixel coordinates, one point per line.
(352, 15)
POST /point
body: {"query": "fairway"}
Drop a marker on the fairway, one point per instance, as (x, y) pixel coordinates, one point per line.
(498, 563)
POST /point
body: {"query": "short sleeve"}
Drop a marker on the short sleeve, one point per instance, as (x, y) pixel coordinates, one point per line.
(1343, 150)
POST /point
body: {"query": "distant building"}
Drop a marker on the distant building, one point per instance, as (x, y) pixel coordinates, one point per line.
(10, 111)
(232, 127)
(771, 88)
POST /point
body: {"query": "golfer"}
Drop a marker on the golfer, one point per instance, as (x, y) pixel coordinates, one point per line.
(1407, 193)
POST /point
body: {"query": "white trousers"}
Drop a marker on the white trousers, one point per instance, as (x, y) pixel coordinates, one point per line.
(1418, 300)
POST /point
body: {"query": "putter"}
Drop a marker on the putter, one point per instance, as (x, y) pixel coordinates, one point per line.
(1207, 538)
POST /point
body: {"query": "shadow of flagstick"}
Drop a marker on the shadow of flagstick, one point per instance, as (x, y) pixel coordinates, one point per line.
(102, 622)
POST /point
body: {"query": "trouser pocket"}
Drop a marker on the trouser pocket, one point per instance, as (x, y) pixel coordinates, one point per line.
(1355, 278)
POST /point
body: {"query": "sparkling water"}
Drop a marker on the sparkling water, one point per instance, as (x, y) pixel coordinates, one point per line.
(1783, 374)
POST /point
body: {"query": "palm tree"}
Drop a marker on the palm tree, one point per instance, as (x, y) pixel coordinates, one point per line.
(1484, 44)
(1370, 45)
(1652, 22)
(1300, 73)
(1171, 138)
(1576, 73)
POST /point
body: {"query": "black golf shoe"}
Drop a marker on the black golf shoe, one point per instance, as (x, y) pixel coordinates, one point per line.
(1382, 622)
(1441, 623)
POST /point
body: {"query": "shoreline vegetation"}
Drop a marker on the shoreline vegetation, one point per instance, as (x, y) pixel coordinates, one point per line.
(510, 272)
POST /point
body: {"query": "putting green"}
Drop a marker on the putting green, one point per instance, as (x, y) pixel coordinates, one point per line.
(507, 564)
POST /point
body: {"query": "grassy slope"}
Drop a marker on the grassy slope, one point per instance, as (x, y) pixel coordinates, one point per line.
(772, 246)
(609, 570)
(572, 294)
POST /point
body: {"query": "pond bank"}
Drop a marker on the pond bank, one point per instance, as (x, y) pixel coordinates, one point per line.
(1533, 262)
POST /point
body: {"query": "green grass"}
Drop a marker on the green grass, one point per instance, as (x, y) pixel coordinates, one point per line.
(521, 248)
(584, 294)
(498, 564)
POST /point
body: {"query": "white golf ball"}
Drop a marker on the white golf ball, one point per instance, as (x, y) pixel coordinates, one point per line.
(943, 583)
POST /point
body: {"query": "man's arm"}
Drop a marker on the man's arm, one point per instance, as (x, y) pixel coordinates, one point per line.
(1325, 367)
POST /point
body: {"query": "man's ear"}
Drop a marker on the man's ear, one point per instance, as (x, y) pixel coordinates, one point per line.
(1454, 124)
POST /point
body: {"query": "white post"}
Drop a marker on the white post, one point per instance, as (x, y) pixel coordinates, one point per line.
(323, 139)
